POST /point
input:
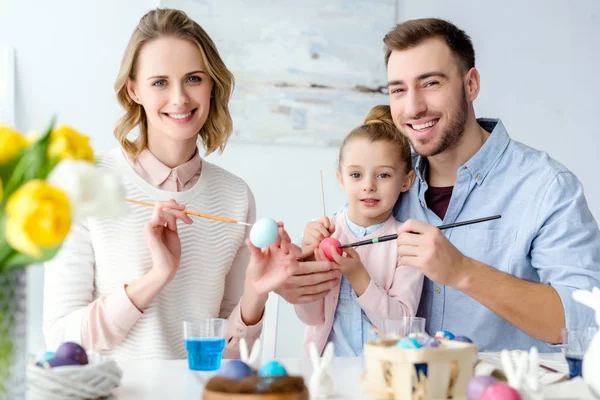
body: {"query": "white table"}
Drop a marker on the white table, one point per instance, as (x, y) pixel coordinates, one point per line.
(171, 379)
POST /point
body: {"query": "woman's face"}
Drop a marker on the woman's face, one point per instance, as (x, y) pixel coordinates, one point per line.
(174, 87)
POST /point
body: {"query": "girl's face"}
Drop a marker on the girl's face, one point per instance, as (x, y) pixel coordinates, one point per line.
(373, 176)
(173, 86)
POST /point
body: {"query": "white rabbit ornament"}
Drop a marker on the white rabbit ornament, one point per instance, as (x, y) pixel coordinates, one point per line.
(591, 358)
(253, 360)
(521, 370)
(321, 383)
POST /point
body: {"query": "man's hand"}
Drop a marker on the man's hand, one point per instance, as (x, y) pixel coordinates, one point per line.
(425, 247)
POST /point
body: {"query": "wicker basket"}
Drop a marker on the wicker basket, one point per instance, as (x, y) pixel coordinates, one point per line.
(391, 373)
(73, 382)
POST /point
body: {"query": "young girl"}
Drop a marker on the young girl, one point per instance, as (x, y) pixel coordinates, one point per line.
(374, 169)
(125, 286)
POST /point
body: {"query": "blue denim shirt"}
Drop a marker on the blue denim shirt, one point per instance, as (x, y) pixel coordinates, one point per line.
(546, 234)
(351, 325)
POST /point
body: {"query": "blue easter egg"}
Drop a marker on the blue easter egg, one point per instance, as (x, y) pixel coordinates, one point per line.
(264, 232)
(462, 339)
(235, 369)
(272, 368)
(408, 343)
(444, 334)
(48, 355)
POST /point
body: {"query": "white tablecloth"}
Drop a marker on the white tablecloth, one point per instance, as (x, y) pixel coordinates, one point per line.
(171, 379)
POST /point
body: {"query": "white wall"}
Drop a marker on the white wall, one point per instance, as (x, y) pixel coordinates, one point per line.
(538, 61)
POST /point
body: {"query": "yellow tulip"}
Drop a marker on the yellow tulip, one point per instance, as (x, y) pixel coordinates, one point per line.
(38, 215)
(67, 143)
(11, 143)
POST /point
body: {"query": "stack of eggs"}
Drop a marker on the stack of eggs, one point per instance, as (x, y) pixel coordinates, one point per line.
(68, 353)
(68, 373)
(238, 380)
(442, 364)
(419, 340)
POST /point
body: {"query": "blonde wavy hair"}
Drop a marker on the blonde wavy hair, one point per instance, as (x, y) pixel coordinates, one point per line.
(379, 125)
(174, 23)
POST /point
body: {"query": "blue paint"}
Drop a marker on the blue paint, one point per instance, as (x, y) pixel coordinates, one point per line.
(204, 354)
(575, 362)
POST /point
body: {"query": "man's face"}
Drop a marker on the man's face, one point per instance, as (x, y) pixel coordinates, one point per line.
(427, 96)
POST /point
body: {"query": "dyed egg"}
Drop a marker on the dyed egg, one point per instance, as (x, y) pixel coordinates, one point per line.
(264, 232)
(48, 355)
(500, 391)
(272, 368)
(235, 369)
(478, 384)
(408, 343)
(58, 362)
(72, 351)
(463, 339)
(444, 334)
(326, 244)
(429, 342)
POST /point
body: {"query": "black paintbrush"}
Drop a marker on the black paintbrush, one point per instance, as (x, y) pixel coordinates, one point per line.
(395, 236)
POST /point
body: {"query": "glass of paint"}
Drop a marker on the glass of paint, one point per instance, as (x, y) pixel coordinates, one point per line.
(204, 342)
(574, 344)
(403, 327)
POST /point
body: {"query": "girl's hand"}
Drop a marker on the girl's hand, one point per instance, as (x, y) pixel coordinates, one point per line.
(314, 233)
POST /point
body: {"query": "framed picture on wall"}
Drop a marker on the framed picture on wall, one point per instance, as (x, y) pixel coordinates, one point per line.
(306, 72)
(7, 86)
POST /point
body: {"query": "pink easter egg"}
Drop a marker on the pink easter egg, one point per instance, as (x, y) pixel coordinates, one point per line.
(326, 244)
(478, 384)
(500, 391)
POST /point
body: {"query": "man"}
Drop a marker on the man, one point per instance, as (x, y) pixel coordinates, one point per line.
(506, 283)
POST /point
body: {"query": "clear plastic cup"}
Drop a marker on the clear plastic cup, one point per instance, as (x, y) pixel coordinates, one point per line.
(403, 327)
(575, 343)
(204, 342)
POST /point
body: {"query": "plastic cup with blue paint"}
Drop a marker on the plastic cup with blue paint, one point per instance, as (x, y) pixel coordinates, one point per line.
(575, 343)
(204, 342)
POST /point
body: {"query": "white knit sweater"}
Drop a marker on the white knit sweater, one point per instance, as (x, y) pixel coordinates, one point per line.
(100, 256)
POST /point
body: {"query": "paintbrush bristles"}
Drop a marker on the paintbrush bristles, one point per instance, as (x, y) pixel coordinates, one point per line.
(322, 193)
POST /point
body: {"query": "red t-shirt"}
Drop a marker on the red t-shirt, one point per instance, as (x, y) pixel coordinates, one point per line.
(438, 198)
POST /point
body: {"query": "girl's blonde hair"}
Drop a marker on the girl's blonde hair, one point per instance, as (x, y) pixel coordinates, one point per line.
(174, 23)
(379, 125)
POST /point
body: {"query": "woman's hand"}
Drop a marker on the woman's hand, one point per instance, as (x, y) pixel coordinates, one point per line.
(268, 269)
(163, 238)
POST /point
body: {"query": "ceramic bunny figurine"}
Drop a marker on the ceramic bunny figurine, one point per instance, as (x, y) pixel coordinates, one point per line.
(253, 359)
(521, 370)
(591, 358)
(321, 382)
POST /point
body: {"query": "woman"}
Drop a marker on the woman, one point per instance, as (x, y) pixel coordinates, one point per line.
(116, 290)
